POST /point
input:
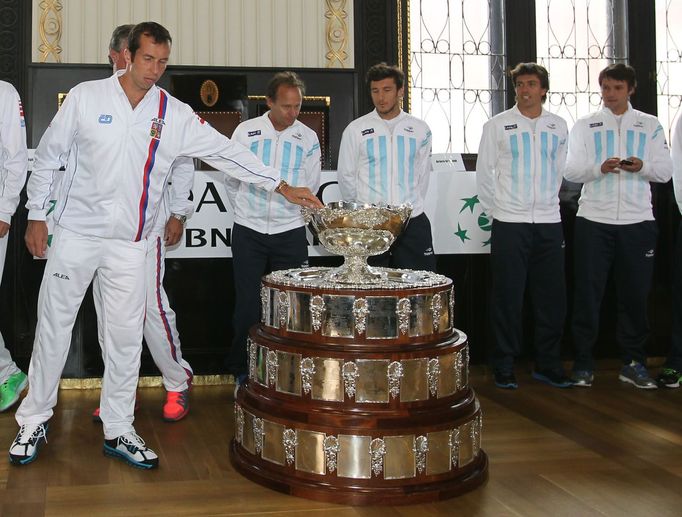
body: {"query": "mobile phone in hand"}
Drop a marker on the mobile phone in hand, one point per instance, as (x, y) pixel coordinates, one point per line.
(626, 162)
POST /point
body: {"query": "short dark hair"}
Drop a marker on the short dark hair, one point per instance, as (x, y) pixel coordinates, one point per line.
(531, 69)
(284, 79)
(619, 72)
(382, 71)
(120, 33)
(152, 29)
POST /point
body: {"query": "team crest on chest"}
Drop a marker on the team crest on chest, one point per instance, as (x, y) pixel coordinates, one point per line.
(157, 126)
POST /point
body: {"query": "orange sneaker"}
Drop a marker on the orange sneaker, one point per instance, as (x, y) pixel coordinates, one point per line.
(176, 406)
(97, 418)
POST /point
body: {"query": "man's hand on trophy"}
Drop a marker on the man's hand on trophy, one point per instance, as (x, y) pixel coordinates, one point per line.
(298, 195)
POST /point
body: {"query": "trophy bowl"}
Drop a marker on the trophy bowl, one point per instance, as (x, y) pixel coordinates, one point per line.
(357, 231)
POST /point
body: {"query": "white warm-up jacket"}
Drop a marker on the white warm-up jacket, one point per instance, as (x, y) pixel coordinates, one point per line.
(520, 167)
(623, 198)
(377, 165)
(295, 153)
(13, 157)
(118, 158)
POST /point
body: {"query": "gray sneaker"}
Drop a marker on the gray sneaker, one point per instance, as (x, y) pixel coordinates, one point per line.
(637, 375)
(582, 378)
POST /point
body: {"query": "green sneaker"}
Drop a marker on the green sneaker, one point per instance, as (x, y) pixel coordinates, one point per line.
(11, 389)
(670, 378)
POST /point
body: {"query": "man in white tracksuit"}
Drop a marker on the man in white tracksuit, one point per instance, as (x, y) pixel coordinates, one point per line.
(160, 329)
(518, 174)
(118, 138)
(13, 165)
(385, 157)
(616, 153)
(268, 232)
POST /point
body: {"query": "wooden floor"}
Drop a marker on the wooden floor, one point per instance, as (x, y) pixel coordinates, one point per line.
(608, 450)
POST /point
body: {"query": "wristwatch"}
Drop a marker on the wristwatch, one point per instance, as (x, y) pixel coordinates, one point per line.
(280, 186)
(180, 217)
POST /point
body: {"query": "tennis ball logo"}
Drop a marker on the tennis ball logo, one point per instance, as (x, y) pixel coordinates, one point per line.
(484, 222)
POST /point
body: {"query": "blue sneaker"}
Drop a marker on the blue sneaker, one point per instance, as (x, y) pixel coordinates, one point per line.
(505, 380)
(131, 448)
(29, 440)
(636, 374)
(555, 378)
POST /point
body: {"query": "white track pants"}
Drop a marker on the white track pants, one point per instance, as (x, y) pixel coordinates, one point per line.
(7, 366)
(160, 330)
(73, 261)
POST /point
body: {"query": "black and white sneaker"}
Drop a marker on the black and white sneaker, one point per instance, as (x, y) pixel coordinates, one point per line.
(131, 448)
(29, 440)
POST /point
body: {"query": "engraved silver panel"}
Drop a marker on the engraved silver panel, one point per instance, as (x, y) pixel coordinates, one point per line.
(310, 455)
(307, 372)
(413, 384)
(273, 442)
(466, 448)
(372, 380)
(446, 322)
(316, 311)
(264, 308)
(248, 441)
(300, 317)
(382, 319)
(447, 381)
(399, 459)
(438, 457)
(328, 382)
(421, 318)
(261, 376)
(272, 315)
(354, 457)
(337, 320)
(288, 373)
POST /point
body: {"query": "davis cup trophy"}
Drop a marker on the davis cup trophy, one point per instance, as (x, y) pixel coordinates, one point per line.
(358, 386)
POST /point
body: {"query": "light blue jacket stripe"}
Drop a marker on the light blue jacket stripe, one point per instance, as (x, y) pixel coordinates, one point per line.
(383, 156)
(252, 189)
(629, 151)
(413, 157)
(544, 159)
(527, 157)
(514, 146)
(297, 165)
(267, 160)
(286, 161)
(401, 165)
(643, 185)
(598, 159)
(372, 180)
(555, 173)
(611, 151)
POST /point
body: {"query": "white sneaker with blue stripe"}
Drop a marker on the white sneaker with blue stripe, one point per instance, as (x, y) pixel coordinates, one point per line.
(29, 440)
(131, 448)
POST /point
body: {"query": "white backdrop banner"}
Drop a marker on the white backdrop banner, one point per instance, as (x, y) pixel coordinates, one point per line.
(452, 205)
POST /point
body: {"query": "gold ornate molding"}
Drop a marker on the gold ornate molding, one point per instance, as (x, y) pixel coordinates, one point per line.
(337, 33)
(316, 98)
(145, 382)
(50, 28)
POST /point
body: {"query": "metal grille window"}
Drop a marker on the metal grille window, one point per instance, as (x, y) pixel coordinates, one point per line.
(576, 39)
(668, 61)
(456, 72)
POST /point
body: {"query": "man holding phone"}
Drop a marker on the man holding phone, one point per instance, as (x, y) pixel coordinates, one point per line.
(616, 153)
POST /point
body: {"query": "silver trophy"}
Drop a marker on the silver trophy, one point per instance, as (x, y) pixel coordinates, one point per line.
(357, 231)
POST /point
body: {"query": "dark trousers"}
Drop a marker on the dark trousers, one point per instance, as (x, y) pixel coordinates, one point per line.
(253, 255)
(533, 255)
(413, 249)
(675, 353)
(629, 249)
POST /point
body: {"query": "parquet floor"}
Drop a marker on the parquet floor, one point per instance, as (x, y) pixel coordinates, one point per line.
(608, 450)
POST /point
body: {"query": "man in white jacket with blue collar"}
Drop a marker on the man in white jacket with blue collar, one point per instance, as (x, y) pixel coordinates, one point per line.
(519, 169)
(268, 232)
(616, 153)
(385, 157)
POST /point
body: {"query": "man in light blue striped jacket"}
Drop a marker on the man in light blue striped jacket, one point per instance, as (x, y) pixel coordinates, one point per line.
(518, 173)
(616, 153)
